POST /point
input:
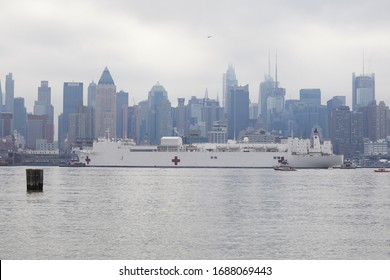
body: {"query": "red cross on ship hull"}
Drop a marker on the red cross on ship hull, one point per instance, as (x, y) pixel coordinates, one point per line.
(176, 160)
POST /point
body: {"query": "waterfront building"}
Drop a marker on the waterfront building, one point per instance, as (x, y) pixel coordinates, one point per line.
(72, 100)
(6, 144)
(363, 90)
(376, 148)
(218, 134)
(237, 110)
(122, 105)
(105, 114)
(159, 115)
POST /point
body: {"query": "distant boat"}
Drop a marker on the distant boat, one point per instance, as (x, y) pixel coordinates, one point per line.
(347, 164)
(381, 170)
(3, 162)
(284, 166)
(73, 163)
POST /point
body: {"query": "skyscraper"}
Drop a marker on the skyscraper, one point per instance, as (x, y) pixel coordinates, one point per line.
(43, 106)
(310, 96)
(105, 114)
(92, 104)
(9, 97)
(1, 99)
(72, 100)
(275, 107)
(5, 124)
(346, 131)
(363, 90)
(142, 112)
(264, 90)
(374, 120)
(9, 94)
(80, 126)
(36, 130)
(92, 95)
(181, 120)
(211, 113)
(237, 110)
(159, 116)
(20, 119)
(335, 102)
(122, 105)
(229, 80)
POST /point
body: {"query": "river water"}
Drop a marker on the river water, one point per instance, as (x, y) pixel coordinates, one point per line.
(135, 213)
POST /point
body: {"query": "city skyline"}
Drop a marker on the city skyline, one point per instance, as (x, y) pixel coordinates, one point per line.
(188, 46)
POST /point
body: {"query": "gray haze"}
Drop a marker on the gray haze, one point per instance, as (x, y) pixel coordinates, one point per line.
(319, 44)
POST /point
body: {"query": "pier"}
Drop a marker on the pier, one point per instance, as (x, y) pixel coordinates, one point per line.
(34, 179)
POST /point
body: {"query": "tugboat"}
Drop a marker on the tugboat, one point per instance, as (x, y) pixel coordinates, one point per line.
(284, 166)
(348, 165)
(381, 170)
(74, 162)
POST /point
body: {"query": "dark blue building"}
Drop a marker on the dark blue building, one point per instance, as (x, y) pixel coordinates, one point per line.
(72, 100)
(237, 110)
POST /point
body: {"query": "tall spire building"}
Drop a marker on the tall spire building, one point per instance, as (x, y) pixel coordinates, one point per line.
(229, 81)
(363, 90)
(105, 114)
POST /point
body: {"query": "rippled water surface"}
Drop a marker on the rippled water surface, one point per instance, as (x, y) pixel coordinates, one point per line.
(120, 213)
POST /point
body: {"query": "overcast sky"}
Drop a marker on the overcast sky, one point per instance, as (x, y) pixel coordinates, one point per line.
(319, 44)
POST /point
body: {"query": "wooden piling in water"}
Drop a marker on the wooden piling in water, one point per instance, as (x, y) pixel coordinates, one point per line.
(34, 180)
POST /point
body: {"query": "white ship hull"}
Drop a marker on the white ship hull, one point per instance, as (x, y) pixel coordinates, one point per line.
(115, 154)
